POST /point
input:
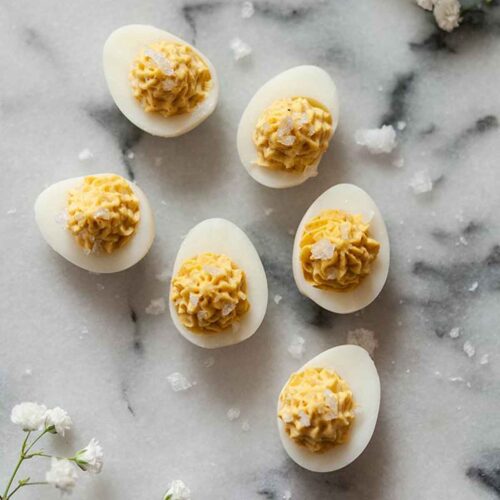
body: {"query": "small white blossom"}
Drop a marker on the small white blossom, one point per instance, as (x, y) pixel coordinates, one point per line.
(177, 491)
(30, 416)
(58, 421)
(62, 475)
(447, 14)
(91, 458)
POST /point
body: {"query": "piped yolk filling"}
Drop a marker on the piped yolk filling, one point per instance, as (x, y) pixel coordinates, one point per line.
(210, 293)
(292, 134)
(317, 409)
(336, 251)
(102, 213)
(170, 78)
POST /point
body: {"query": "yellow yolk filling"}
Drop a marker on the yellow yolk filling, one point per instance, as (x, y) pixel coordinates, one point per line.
(292, 134)
(103, 213)
(336, 251)
(170, 78)
(210, 293)
(317, 409)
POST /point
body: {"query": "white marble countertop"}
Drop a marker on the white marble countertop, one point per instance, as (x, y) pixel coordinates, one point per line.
(436, 438)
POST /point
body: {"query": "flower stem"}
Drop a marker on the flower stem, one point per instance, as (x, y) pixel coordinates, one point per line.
(18, 465)
(19, 486)
(35, 441)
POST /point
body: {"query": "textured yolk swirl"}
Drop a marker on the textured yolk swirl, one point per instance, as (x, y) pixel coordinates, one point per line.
(336, 251)
(170, 78)
(103, 213)
(292, 134)
(317, 409)
(210, 293)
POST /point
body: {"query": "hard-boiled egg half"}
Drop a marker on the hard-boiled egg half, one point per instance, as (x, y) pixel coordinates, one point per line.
(287, 126)
(161, 83)
(218, 292)
(102, 223)
(327, 411)
(341, 250)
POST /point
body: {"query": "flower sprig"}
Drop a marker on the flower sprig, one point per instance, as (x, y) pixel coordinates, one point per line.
(35, 418)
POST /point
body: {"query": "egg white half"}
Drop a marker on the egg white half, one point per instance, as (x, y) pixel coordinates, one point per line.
(301, 81)
(50, 207)
(120, 50)
(223, 237)
(356, 367)
(354, 200)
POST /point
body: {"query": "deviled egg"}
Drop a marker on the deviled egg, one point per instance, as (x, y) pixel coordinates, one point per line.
(161, 83)
(327, 411)
(102, 223)
(218, 292)
(341, 250)
(287, 126)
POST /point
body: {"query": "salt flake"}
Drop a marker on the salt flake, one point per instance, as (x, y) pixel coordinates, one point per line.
(247, 10)
(233, 413)
(277, 299)
(161, 61)
(156, 306)
(178, 382)
(454, 333)
(297, 347)
(474, 286)
(304, 419)
(245, 426)
(209, 362)
(364, 338)
(85, 154)
(240, 49)
(322, 250)
(469, 349)
(421, 182)
(485, 359)
(377, 140)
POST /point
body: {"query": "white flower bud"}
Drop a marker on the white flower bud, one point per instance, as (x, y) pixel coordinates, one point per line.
(30, 416)
(90, 459)
(57, 421)
(62, 475)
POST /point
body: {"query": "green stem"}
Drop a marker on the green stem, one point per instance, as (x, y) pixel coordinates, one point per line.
(18, 465)
(19, 486)
(35, 441)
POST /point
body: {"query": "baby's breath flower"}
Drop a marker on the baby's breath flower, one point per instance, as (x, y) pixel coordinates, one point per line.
(426, 4)
(91, 457)
(30, 416)
(62, 475)
(57, 421)
(447, 14)
(177, 491)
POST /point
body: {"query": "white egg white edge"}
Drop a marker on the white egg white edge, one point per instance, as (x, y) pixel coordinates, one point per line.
(356, 367)
(120, 50)
(352, 199)
(223, 237)
(300, 81)
(50, 207)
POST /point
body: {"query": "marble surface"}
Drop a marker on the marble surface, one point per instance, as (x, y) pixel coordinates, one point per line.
(94, 351)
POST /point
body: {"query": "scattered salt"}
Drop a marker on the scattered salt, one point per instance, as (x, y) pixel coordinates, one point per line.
(102, 213)
(297, 347)
(426, 4)
(163, 202)
(233, 413)
(209, 362)
(169, 84)
(247, 10)
(469, 349)
(401, 125)
(100, 286)
(156, 306)
(163, 276)
(287, 495)
(287, 140)
(322, 250)
(228, 308)
(332, 403)
(377, 140)
(285, 126)
(304, 419)
(474, 286)
(130, 155)
(291, 232)
(421, 182)
(213, 270)
(85, 154)
(454, 333)
(194, 299)
(28, 372)
(245, 426)
(485, 359)
(287, 417)
(345, 230)
(456, 379)
(277, 299)
(364, 338)
(11, 211)
(178, 382)
(161, 61)
(268, 211)
(240, 49)
(463, 240)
